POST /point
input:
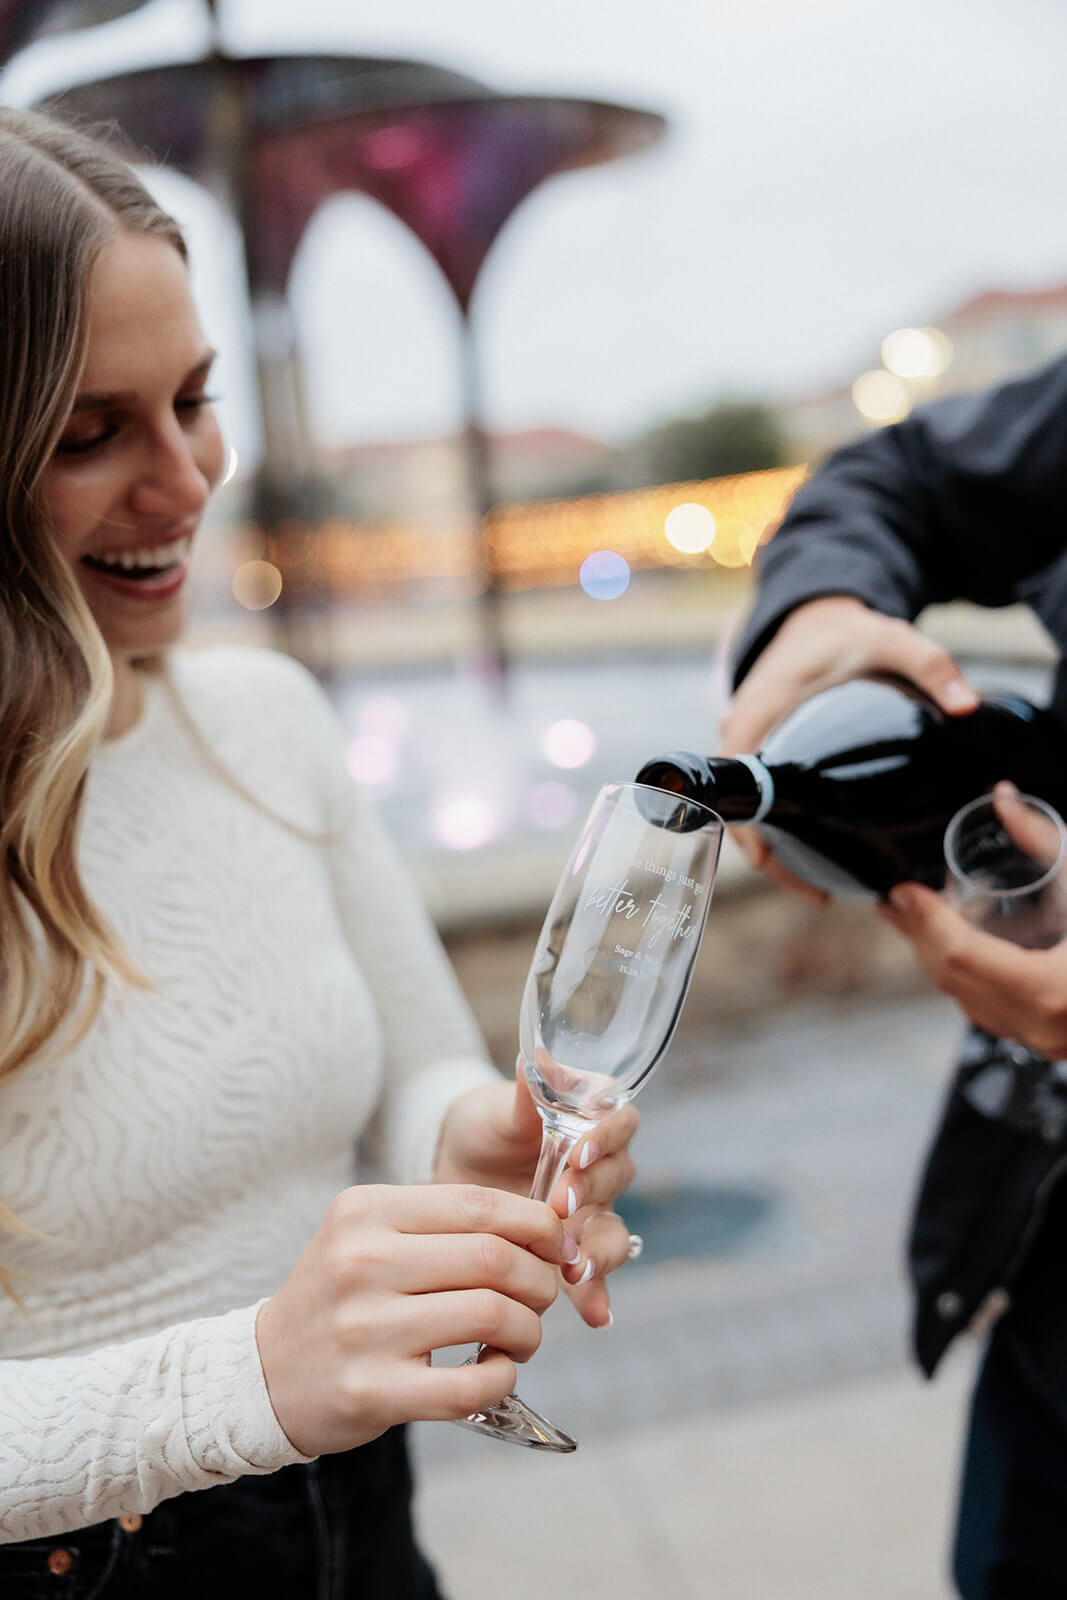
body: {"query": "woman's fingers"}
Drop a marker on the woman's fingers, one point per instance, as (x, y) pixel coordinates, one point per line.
(436, 1263)
(611, 1134)
(445, 1393)
(605, 1247)
(456, 1208)
(606, 1241)
(467, 1316)
(599, 1167)
(391, 1275)
(598, 1186)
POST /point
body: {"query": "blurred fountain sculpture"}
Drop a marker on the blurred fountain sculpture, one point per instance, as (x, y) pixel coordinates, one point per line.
(277, 136)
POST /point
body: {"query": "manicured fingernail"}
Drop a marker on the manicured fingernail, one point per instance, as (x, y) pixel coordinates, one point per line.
(572, 1202)
(589, 1154)
(610, 1322)
(1004, 790)
(586, 1275)
(571, 1252)
(901, 899)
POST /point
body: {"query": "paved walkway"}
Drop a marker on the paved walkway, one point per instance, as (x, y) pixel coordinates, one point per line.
(750, 1428)
(835, 1494)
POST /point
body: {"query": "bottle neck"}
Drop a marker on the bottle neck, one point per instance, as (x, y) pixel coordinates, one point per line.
(764, 783)
(738, 788)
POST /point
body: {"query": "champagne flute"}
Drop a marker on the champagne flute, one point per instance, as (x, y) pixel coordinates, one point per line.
(606, 985)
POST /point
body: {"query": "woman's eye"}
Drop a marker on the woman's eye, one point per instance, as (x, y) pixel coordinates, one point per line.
(194, 402)
(82, 444)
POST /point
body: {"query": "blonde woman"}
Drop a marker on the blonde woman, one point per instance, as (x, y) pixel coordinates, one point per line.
(214, 976)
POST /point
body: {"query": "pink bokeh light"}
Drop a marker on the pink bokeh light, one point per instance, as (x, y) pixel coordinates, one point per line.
(372, 759)
(568, 743)
(552, 805)
(464, 821)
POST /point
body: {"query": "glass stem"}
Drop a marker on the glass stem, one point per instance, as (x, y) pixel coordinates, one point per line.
(556, 1145)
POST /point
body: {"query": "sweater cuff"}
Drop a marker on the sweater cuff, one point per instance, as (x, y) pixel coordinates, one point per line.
(413, 1125)
(236, 1431)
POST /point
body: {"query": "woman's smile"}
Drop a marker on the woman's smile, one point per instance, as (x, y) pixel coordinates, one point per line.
(149, 572)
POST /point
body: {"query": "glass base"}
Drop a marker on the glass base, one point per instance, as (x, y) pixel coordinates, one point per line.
(514, 1422)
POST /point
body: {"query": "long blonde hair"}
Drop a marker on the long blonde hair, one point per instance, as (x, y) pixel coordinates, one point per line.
(63, 197)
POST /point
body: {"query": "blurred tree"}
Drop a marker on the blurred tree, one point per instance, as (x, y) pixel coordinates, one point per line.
(730, 437)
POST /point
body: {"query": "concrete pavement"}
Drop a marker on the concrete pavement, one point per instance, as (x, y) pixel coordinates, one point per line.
(841, 1493)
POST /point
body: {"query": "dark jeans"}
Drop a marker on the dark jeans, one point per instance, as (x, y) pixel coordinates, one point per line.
(339, 1529)
(1011, 1535)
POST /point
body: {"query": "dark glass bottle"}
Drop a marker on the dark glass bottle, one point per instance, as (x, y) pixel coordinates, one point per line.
(854, 789)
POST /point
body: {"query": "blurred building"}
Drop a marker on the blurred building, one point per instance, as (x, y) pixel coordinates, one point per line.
(987, 339)
(426, 479)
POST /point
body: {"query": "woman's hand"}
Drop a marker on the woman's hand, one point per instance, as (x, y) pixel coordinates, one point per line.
(1011, 992)
(492, 1135)
(392, 1275)
(821, 643)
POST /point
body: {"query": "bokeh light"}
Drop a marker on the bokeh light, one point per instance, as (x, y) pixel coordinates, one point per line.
(385, 716)
(256, 585)
(373, 759)
(464, 820)
(881, 396)
(568, 743)
(604, 575)
(552, 804)
(735, 542)
(690, 528)
(917, 352)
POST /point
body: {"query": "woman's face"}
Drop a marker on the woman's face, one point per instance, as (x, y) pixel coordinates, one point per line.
(141, 450)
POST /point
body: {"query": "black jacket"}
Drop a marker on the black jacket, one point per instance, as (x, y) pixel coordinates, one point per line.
(965, 499)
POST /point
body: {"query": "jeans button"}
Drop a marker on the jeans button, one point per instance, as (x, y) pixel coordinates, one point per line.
(60, 1562)
(131, 1523)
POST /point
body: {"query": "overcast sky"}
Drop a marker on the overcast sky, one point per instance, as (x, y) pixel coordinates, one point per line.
(834, 169)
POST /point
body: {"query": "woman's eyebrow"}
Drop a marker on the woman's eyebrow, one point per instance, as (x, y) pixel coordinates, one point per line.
(99, 400)
(96, 401)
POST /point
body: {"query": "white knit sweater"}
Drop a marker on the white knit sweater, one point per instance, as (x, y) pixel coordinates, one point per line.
(180, 1156)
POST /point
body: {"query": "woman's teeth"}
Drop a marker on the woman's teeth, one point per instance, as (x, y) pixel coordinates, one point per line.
(150, 558)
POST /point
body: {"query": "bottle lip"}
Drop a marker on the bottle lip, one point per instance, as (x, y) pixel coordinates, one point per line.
(699, 808)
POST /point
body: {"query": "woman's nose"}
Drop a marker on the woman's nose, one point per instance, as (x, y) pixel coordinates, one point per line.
(174, 482)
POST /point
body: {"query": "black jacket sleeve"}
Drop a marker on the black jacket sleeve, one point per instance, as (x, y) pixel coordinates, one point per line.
(966, 499)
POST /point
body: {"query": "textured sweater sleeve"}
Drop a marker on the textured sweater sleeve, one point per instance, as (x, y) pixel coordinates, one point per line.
(962, 500)
(119, 1429)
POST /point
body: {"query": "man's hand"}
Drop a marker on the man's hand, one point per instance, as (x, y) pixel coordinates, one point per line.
(1012, 993)
(821, 643)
